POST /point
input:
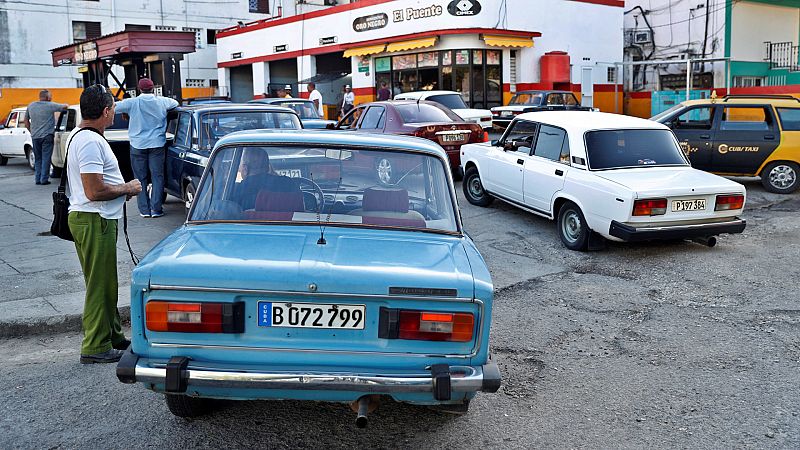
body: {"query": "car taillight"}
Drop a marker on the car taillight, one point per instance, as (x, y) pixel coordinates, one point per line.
(729, 202)
(186, 317)
(650, 207)
(435, 326)
(496, 113)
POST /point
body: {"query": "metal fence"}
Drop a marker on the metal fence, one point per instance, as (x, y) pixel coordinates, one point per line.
(782, 55)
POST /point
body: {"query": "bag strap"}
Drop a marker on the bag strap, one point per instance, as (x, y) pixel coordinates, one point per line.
(62, 186)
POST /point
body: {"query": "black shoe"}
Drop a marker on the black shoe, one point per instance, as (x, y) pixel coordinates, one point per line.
(45, 182)
(38, 182)
(109, 356)
(122, 345)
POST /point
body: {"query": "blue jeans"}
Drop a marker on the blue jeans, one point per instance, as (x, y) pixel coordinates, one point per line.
(148, 168)
(42, 152)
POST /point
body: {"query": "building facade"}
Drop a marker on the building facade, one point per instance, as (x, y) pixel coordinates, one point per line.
(484, 49)
(28, 30)
(757, 41)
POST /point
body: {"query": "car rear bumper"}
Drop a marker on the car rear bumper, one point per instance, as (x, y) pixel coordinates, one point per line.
(180, 373)
(633, 234)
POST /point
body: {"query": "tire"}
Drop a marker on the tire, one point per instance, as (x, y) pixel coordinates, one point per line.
(384, 171)
(572, 227)
(473, 189)
(30, 157)
(182, 405)
(189, 193)
(781, 177)
(3, 160)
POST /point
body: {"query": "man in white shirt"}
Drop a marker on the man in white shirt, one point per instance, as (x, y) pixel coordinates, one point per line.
(316, 97)
(97, 193)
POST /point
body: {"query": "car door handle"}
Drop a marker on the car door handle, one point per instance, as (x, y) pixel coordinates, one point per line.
(705, 136)
(182, 155)
(559, 172)
(520, 161)
(769, 137)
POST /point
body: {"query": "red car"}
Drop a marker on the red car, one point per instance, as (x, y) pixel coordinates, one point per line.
(423, 119)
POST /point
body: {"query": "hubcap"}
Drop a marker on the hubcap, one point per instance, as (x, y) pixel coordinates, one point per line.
(31, 159)
(384, 171)
(571, 227)
(189, 198)
(782, 176)
(475, 187)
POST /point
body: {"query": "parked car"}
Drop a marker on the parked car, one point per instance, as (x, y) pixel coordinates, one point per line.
(530, 101)
(116, 135)
(304, 108)
(15, 139)
(452, 100)
(316, 284)
(751, 135)
(619, 177)
(196, 129)
(423, 119)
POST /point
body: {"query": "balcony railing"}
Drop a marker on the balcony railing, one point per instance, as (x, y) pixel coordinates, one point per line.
(782, 55)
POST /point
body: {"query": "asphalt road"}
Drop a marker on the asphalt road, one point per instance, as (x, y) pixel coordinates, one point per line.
(658, 345)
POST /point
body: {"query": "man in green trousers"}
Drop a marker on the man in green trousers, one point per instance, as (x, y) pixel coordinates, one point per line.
(97, 192)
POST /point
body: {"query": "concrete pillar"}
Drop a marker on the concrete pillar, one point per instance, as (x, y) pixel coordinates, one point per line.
(224, 80)
(260, 79)
(306, 68)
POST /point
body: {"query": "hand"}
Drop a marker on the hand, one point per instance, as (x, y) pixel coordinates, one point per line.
(134, 187)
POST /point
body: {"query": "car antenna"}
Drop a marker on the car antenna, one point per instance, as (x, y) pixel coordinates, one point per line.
(321, 240)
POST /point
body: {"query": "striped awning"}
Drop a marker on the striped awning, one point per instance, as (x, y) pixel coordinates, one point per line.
(412, 44)
(507, 41)
(361, 51)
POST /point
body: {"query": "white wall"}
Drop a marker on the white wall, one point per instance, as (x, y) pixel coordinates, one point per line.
(750, 29)
(33, 29)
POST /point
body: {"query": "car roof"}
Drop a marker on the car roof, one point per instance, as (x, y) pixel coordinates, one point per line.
(778, 102)
(334, 138)
(422, 94)
(268, 101)
(235, 107)
(542, 91)
(578, 122)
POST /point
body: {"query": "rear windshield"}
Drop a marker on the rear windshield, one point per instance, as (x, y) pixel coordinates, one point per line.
(306, 110)
(616, 149)
(526, 99)
(420, 113)
(214, 126)
(316, 185)
(452, 101)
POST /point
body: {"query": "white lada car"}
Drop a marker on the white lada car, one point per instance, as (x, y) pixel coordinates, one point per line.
(598, 174)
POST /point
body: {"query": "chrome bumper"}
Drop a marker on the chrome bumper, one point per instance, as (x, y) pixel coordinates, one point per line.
(633, 234)
(131, 369)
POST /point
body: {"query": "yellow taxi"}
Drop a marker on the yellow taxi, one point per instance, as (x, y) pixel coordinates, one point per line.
(741, 135)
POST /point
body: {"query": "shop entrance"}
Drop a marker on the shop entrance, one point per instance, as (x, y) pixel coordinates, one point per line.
(241, 84)
(281, 73)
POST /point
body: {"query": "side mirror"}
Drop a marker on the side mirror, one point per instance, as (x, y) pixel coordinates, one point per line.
(494, 143)
(2, 126)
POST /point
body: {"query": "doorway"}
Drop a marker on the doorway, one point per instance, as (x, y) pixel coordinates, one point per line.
(242, 84)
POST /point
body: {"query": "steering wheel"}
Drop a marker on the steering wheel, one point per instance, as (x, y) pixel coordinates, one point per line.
(318, 194)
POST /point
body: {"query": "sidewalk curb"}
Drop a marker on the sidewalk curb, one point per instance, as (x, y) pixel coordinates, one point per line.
(51, 325)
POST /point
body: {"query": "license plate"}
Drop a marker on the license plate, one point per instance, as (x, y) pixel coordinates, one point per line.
(452, 137)
(311, 315)
(293, 173)
(698, 204)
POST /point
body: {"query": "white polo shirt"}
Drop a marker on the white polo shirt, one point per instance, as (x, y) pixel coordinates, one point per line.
(315, 95)
(90, 153)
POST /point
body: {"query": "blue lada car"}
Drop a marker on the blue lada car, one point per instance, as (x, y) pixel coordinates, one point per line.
(299, 275)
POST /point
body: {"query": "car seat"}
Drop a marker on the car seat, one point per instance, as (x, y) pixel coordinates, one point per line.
(278, 201)
(388, 206)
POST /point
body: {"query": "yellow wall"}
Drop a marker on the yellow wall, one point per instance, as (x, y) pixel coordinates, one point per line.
(638, 107)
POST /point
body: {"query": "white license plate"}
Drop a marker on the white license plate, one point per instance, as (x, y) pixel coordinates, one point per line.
(293, 173)
(698, 204)
(311, 315)
(452, 137)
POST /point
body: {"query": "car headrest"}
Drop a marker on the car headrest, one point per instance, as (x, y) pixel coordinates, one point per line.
(385, 199)
(275, 201)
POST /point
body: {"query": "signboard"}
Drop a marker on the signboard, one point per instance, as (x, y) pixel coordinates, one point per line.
(328, 40)
(236, 55)
(464, 8)
(400, 15)
(279, 48)
(371, 22)
(85, 52)
(383, 64)
(363, 64)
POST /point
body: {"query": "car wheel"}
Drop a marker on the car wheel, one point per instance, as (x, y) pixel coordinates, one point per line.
(3, 160)
(383, 169)
(30, 157)
(189, 192)
(185, 406)
(473, 188)
(780, 177)
(572, 227)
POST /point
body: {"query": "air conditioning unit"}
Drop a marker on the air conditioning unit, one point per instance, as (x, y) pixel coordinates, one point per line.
(642, 37)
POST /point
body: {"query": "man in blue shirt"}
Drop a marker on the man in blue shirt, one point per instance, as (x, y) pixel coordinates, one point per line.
(147, 131)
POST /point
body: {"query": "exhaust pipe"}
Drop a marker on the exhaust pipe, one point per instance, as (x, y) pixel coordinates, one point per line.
(706, 240)
(362, 407)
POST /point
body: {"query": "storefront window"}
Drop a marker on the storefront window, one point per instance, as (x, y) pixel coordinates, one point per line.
(383, 64)
(447, 58)
(493, 57)
(404, 62)
(430, 59)
(462, 83)
(462, 57)
(494, 86)
(478, 100)
(477, 57)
